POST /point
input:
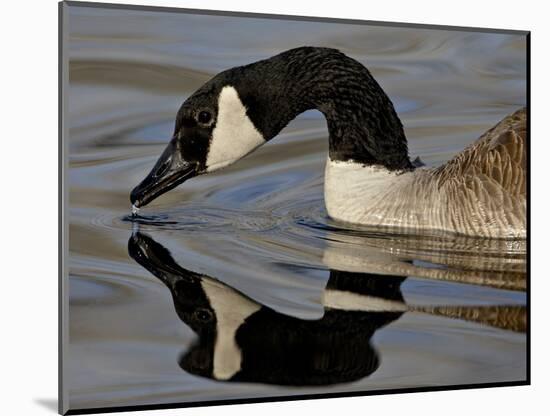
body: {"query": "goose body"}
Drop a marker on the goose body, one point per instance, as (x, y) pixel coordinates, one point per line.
(480, 192)
(369, 178)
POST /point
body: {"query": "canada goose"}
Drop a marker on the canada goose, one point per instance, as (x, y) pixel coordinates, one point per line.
(243, 340)
(369, 178)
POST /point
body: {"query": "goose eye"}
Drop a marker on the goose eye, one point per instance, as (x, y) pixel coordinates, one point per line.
(204, 117)
(203, 315)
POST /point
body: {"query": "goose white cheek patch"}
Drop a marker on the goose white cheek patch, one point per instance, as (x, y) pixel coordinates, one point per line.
(235, 135)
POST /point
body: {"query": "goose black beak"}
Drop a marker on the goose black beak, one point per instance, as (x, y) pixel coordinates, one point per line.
(170, 170)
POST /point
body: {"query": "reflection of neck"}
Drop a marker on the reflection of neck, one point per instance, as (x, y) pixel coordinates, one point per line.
(231, 309)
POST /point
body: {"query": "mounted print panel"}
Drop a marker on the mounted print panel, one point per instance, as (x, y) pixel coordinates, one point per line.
(260, 208)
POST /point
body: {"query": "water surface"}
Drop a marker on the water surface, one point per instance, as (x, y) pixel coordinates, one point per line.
(260, 229)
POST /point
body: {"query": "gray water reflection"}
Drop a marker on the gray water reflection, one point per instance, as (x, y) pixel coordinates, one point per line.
(260, 226)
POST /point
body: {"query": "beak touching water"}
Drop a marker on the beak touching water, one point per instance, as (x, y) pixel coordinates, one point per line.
(170, 170)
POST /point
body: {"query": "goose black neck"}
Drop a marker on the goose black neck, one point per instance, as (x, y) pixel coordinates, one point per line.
(362, 123)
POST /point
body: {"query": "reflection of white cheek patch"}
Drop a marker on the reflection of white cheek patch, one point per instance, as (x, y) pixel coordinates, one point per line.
(231, 309)
(234, 135)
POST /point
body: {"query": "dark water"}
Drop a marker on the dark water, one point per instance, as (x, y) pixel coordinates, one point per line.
(433, 310)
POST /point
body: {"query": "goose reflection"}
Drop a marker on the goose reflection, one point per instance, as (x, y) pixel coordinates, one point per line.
(242, 340)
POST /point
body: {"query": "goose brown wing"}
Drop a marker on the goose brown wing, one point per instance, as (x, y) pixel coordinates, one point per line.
(488, 178)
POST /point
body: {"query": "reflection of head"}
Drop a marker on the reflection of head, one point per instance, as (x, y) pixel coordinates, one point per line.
(241, 340)
(278, 349)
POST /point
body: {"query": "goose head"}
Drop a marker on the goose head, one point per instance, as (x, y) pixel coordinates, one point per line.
(242, 108)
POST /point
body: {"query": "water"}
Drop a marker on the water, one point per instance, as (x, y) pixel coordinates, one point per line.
(258, 230)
